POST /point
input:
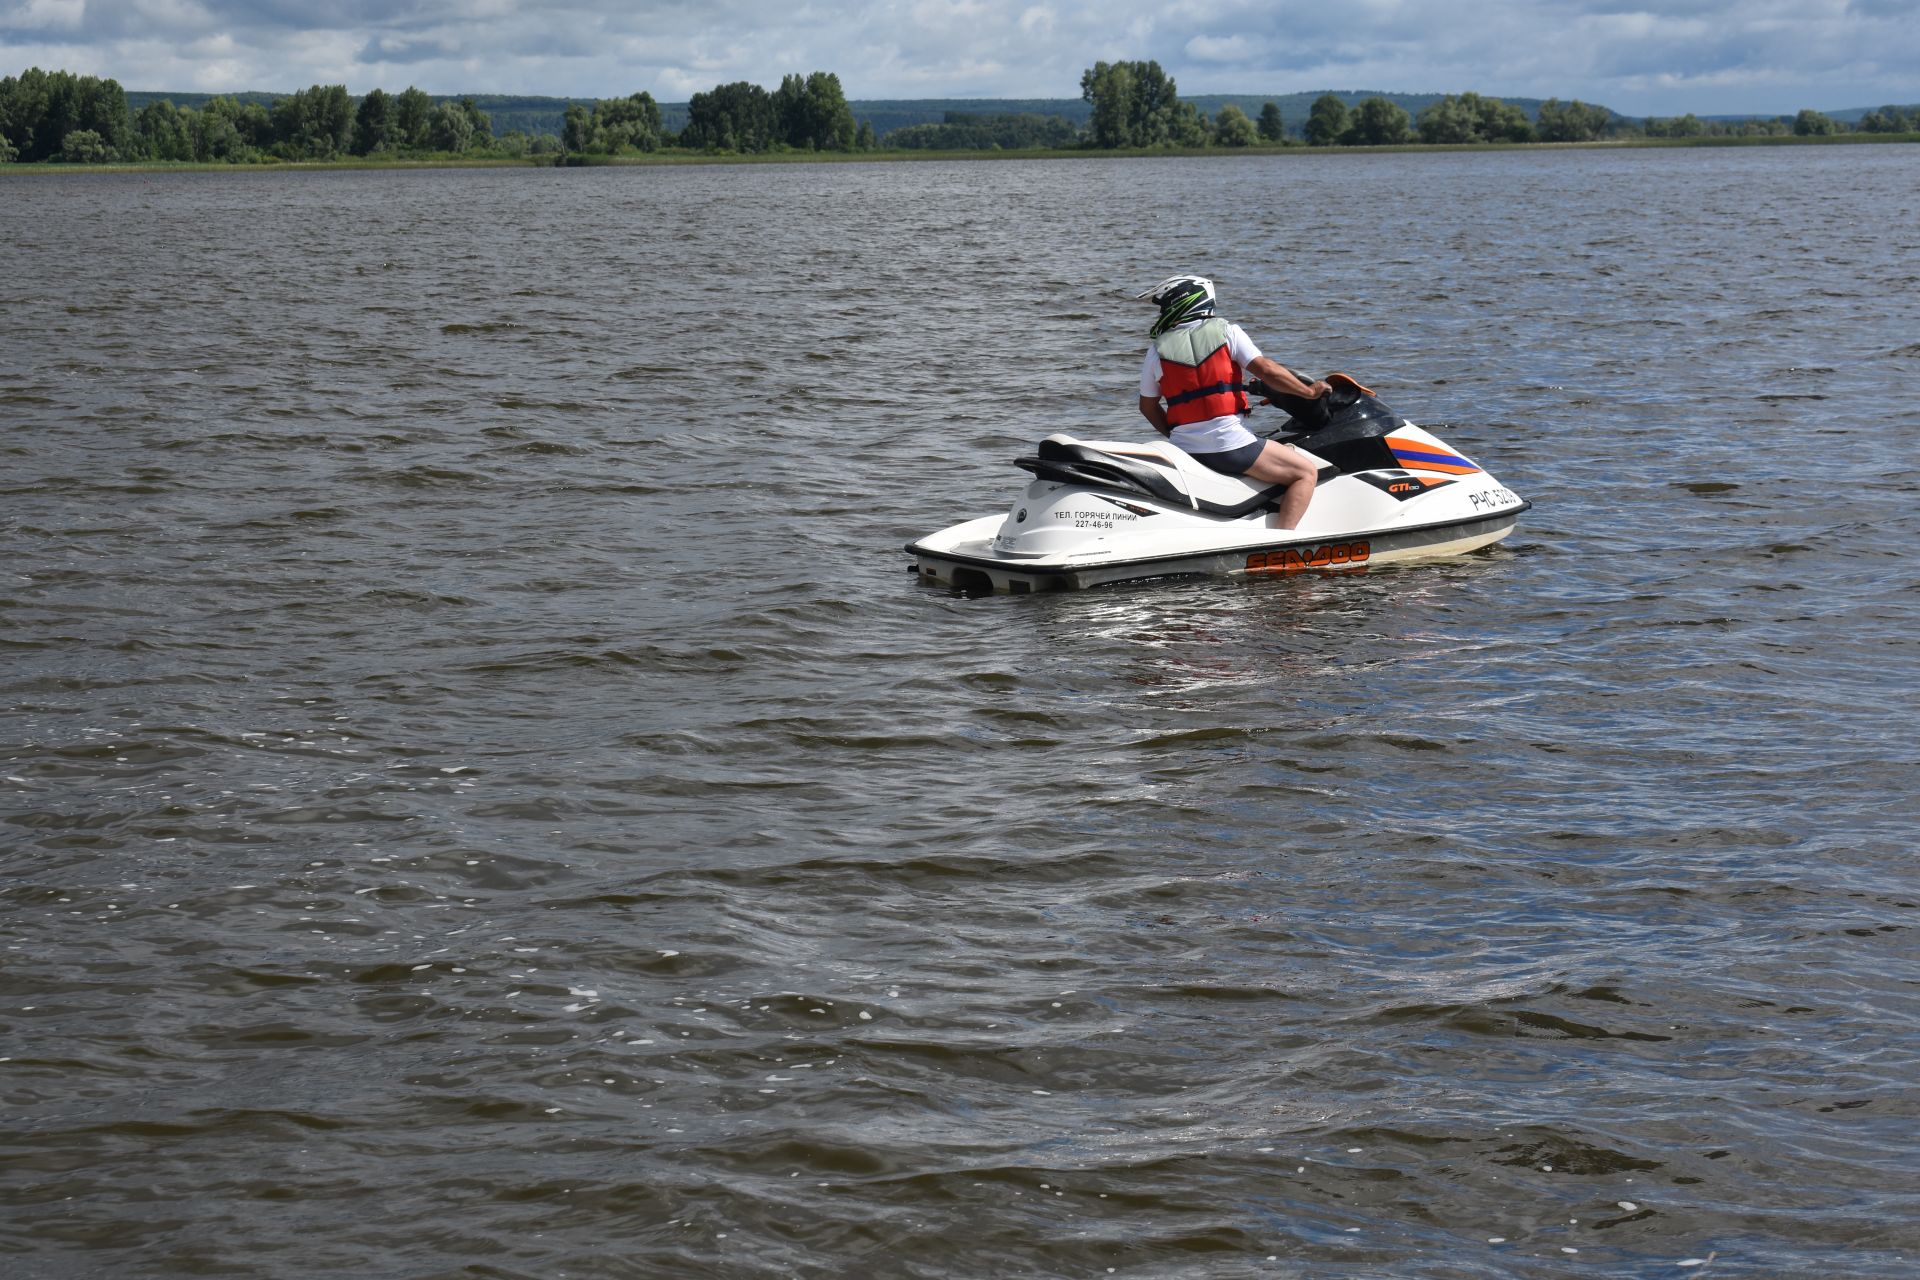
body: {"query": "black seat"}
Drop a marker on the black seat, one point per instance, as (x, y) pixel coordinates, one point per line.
(1082, 464)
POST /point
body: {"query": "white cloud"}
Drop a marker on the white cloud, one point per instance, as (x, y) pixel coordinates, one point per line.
(1639, 56)
(48, 15)
(1218, 49)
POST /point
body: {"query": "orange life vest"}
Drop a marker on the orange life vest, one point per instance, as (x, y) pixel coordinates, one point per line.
(1198, 376)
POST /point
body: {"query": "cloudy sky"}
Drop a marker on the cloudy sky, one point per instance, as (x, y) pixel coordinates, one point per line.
(1661, 57)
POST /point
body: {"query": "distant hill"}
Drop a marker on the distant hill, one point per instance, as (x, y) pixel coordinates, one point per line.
(139, 98)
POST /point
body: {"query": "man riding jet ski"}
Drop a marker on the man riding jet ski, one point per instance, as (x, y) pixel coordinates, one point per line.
(1193, 390)
(1347, 484)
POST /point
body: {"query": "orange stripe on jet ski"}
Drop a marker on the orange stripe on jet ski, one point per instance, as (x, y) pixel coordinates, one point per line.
(1416, 455)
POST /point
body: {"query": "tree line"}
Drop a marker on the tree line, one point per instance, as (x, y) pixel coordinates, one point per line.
(58, 116)
(61, 117)
(1807, 124)
(1456, 120)
(1136, 105)
(968, 131)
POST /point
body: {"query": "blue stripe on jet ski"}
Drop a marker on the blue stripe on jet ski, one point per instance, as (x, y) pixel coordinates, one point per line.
(1409, 454)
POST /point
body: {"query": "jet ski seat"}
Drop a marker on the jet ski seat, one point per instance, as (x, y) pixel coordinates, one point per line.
(1068, 461)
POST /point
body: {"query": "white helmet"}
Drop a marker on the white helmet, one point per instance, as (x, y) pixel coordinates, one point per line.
(1180, 299)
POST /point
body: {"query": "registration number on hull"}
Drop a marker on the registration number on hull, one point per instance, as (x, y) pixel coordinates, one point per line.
(1494, 498)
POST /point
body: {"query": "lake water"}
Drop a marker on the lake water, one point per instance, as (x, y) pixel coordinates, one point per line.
(484, 797)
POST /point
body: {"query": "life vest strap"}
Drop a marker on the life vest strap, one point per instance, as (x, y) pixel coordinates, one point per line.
(1198, 393)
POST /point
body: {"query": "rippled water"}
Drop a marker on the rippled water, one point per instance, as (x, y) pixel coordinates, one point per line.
(484, 797)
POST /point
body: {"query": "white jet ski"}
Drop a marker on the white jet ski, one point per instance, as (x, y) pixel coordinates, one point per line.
(1100, 511)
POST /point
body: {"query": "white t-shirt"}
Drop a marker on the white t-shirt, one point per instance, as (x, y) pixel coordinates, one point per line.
(1215, 435)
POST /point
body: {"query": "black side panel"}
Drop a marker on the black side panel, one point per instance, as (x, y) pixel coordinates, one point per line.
(1354, 434)
(1367, 453)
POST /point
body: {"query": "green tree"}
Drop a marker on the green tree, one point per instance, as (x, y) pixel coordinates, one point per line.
(1687, 126)
(731, 117)
(373, 125)
(449, 129)
(84, 146)
(1135, 104)
(165, 131)
(1377, 122)
(1327, 121)
(1814, 124)
(313, 124)
(252, 123)
(482, 124)
(1468, 117)
(576, 129)
(1231, 128)
(789, 110)
(23, 109)
(332, 120)
(630, 123)
(1574, 121)
(813, 114)
(1110, 89)
(38, 109)
(215, 132)
(1890, 119)
(1272, 127)
(828, 112)
(412, 113)
(1187, 126)
(292, 123)
(103, 110)
(1504, 122)
(864, 138)
(1447, 122)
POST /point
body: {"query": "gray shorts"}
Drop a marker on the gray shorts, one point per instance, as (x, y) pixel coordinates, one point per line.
(1231, 462)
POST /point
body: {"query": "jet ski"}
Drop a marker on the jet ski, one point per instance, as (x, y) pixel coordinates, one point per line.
(1102, 511)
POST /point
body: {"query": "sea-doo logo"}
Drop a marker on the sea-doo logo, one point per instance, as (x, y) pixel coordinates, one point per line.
(1020, 516)
(1336, 555)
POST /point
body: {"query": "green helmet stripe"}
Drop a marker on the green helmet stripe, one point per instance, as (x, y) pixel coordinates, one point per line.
(1177, 310)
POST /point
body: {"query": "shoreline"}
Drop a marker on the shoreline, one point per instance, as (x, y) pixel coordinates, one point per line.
(677, 158)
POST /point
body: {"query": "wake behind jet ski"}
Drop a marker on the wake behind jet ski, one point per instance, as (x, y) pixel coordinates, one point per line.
(1100, 511)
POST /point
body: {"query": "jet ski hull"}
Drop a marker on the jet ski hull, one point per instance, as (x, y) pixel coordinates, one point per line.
(1099, 512)
(970, 563)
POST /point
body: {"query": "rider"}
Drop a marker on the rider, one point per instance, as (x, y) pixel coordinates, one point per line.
(1198, 364)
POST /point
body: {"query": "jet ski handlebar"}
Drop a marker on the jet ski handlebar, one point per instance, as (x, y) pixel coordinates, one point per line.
(1309, 413)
